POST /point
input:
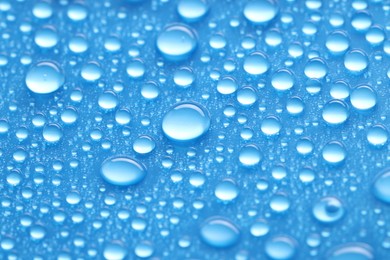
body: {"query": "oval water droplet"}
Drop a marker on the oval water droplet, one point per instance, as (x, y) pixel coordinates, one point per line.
(219, 232)
(328, 210)
(122, 171)
(280, 247)
(260, 11)
(192, 10)
(351, 251)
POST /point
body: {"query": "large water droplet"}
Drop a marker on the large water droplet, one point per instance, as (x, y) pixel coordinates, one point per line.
(186, 122)
(337, 42)
(114, 251)
(335, 112)
(280, 247)
(334, 152)
(219, 232)
(363, 98)
(44, 77)
(122, 171)
(316, 68)
(282, 80)
(192, 10)
(377, 135)
(355, 61)
(256, 63)
(226, 190)
(176, 42)
(249, 155)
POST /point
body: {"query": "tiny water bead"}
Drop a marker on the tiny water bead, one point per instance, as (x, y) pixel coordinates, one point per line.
(226, 190)
(363, 98)
(381, 186)
(337, 42)
(334, 153)
(328, 210)
(192, 10)
(282, 80)
(219, 232)
(377, 135)
(260, 12)
(356, 61)
(335, 112)
(122, 171)
(249, 155)
(349, 251)
(144, 145)
(186, 122)
(280, 247)
(316, 68)
(44, 77)
(256, 63)
(177, 42)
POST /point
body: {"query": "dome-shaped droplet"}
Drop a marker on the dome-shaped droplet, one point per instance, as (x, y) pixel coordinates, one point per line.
(186, 122)
(259, 228)
(256, 63)
(361, 21)
(339, 90)
(381, 186)
(271, 126)
(249, 155)
(108, 100)
(328, 210)
(52, 133)
(337, 42)
(334, 152)
(280, 247)
(351, 251)
(227, 85)
(316, 68)
(375, 35)
(282, 80)
(356, 61)
(335, 112)
(42, 10)
(192, 10)
(183, 77)
(46, 37)
(122, 171)
(363, 98)
(226, 190)
(44, 77)
(246, 96)
(260, 11)
(114, 251)
(91, 71)
(219, 232)
(176, 42)
(377, 135)
(144, 144)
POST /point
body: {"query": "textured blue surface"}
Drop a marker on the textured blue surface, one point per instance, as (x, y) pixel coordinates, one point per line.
(194, 129)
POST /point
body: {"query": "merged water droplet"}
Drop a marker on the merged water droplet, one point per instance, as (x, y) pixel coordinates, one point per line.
(122, 171)
(260, 11)
(219, 232)
(328, 210)
(44, 77)
(186, 122)
(177, 42)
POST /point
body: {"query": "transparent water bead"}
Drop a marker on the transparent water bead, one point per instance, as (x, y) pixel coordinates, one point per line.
(219, 232)
(363, 98)
(316, 68)
(184, 77)
(249, 155)
(122, 171)
(260, 12)
(46, 37)
(144, 249)
(227, 85)
(328, 210)
(186, 122)
(177, 42)
(280, 247)
(108, 100)
(381, 186)
(270, 126)
(114, 251)
(356, 61)
(226, 190)
(256, 63)
(91, 71)
(337, 42)
(351, 251)
(280, 203)
(42, 10)
(259, 228)
(44, 77)
(339, 90)
(144, 145)
(361, 21)
(192, 10)
(334, 152)
(52, 133)
(282, 80)
(335, 112)
(377, 135)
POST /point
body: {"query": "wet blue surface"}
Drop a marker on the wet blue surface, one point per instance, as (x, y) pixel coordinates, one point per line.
(194, 129)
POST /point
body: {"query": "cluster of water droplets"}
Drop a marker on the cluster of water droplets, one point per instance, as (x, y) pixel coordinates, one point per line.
(194, 129)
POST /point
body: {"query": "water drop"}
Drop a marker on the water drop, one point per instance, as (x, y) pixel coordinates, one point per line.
(356, 61)
(328, 210)
(280, 247)
(91, 71)
(226, 190)
(271, 126)
(192, 10)
(135, 69)
(279, 203)
(249, 155)
(335, 112)
(46, 37)
(108, 100)
(42, 10)
(260, 228)
(349, 251)
(227, 85)
(334, 152)
(381, 186)
(44, 77)
(256, 63)
(219, 232)
(150, 90)
(361, 21)
(363, 98)
(377, 135)
(122, 171)
(176, 42)
(52, 133)
(260, 11)
(282, 80)
(186, 122)
(114, 251)
(77, 12)
(246, 96)
(339, 90)
(184, 77)
(337, 42)
(316, 68)
(144, 249)
(144, 145)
